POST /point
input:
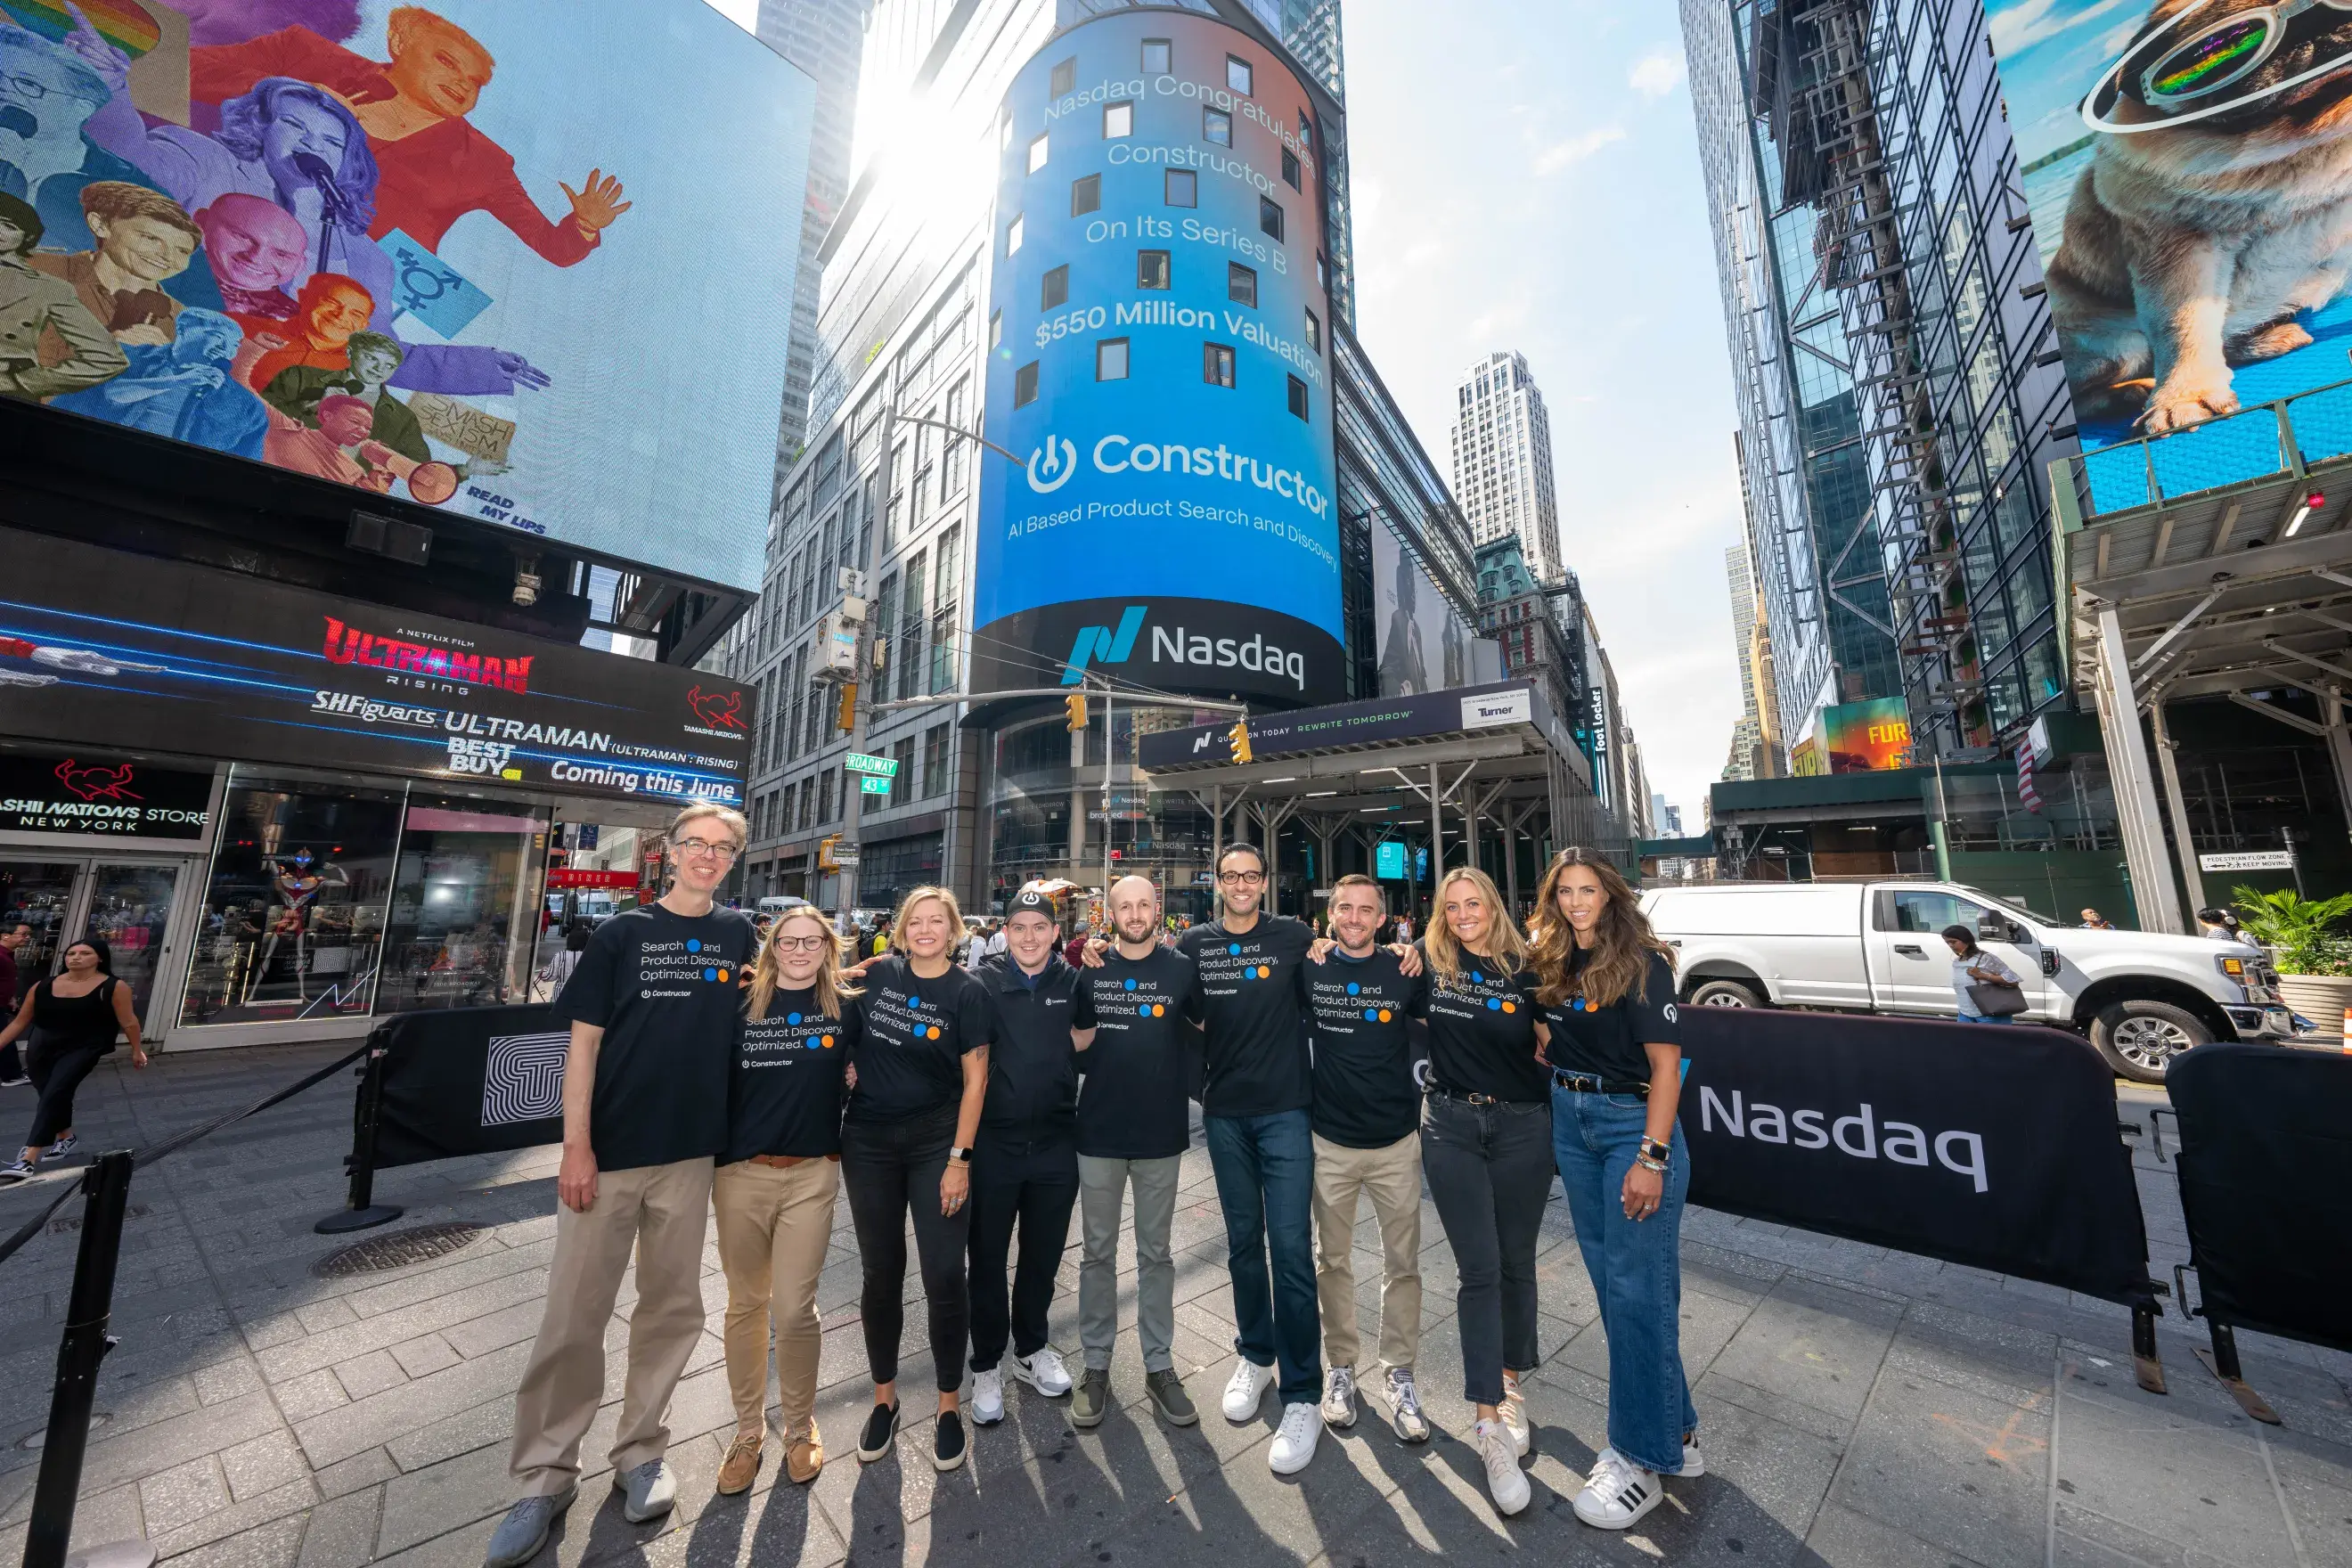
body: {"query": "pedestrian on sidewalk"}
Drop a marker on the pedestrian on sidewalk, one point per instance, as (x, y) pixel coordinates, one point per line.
(1367, 1014)
(906, 1147)
(1025, 1165)
(656, 1008)
(76, 1016)
(1133, 1129)
(558, 972)
(13, 942)
(1485, 1140)
(1613, 1042)
(773, 1193)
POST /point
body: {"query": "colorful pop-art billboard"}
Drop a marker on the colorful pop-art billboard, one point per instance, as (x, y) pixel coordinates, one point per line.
(1160, 355)
(527, 261)
(1862, 737)
(2184, 163)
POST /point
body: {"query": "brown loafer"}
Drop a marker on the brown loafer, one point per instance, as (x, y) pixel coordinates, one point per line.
(742, 1466)
(805, 1456)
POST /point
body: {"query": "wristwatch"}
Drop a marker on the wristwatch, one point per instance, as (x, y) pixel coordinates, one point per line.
(960, 1156)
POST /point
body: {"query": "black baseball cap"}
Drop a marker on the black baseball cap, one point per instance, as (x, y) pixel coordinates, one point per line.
(1023, 902)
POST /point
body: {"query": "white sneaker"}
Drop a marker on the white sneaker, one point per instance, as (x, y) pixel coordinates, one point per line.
(1044, 1372)
(1618, 1493)
(987, 1398)
(1294, 1442)
(1514, 1410)
(1405, 1407)
(1338, 1396)
(1506, 1482)
(1246, 1389)
(1693, 1467)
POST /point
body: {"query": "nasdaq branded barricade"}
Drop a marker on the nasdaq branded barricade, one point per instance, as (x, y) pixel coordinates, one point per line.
(2266, 1160)
(1993, 1146)
(467, 1081)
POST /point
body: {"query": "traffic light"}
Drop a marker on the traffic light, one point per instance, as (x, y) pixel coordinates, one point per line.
(1076, 705)
(846, 718)
(1238, 739)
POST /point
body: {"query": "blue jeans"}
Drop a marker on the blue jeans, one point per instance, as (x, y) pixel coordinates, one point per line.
(1636, 1269)
(1265, 1184)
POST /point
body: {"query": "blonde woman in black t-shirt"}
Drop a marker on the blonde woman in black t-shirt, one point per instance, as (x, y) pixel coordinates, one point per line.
(774, 1192)
(1612, 1040)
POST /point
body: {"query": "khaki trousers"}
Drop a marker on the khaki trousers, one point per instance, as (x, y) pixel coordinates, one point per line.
(661, 1213)
(774, 1225)
(1391, 1178)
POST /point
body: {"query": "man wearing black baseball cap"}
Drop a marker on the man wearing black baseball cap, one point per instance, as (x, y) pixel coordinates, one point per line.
(1026, 1162)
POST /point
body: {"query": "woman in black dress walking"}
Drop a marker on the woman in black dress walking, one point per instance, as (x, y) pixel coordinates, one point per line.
(76, 1016)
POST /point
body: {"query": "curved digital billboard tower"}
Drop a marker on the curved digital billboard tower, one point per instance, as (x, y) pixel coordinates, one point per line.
(1160, 353)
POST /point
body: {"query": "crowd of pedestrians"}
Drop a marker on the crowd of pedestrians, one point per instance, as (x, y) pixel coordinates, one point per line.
(715, 1069)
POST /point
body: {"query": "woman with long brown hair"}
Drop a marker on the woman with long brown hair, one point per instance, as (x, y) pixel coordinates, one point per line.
(1486, 1145)
(906, 1147)
(774, 1188)
(1612, 1040)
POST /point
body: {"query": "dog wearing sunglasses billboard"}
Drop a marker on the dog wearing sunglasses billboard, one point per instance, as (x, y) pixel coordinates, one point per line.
(2217, 208)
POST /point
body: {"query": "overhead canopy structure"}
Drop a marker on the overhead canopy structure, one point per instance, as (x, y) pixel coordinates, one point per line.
(2216, 562)
(1494, 757)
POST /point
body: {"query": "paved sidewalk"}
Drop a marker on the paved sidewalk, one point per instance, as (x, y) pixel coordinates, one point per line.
(1857, 1406)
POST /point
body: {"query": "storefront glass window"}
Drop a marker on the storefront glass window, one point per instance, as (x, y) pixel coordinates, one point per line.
(464, 905)
(292, 924)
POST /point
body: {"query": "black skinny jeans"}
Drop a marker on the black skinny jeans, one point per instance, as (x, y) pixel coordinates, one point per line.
(891, 1168)
(56, 1074)
(1490, 1170)
(1037, 1186)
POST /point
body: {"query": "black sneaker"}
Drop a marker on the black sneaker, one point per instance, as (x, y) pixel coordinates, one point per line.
(881, 1426)
(947, 1448)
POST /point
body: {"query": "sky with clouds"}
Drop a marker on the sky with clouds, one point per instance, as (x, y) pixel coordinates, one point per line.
(1526, 177)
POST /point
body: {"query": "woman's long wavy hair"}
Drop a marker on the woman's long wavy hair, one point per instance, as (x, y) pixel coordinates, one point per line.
(1623, 940)
(1505, 944)
(768, 976)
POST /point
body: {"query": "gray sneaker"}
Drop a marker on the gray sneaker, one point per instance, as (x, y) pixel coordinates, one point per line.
(1090, 1399)
(1167, 1396)
(648, 1491)
(524, 1529)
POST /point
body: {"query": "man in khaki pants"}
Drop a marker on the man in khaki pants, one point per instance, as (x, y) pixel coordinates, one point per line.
(654, 1006)
(1366, 1122)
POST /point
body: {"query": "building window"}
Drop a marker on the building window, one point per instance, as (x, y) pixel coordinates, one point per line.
(1237, 74)
(1217, 126)
(1306, 130)
(1064, 78)
(1289, 168)
(1118, 119)
(1152, 269)
(1037, 154)
(1314, 333)
(1217, 364)
(1086, 194)
(1181, 188)
(1024, 386)
(1298, 398)
(1013, 230)
(1322, 272)
(995, 328)
(1055, 288)
(935, 760)
(1157, 57)
(1110, 359)
(1269, 221)
(1241, 284)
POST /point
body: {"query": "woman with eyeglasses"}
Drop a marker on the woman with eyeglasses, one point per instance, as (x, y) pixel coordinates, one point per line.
(1486, 1145)
(774, 1192)
(921, 1072)
(1612, 1043)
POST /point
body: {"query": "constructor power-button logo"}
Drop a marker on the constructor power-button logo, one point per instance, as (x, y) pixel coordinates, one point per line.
(1051, 466)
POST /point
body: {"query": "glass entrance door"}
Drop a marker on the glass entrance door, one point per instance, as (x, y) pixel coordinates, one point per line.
(39, 894)
(131, 910)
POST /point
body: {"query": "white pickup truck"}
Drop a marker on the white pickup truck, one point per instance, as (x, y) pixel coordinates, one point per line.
(1877, 947)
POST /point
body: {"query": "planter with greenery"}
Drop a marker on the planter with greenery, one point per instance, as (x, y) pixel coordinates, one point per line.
(2312, 954)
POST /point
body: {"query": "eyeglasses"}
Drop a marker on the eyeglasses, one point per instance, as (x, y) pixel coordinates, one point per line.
(1241, 879)
(802, 943)
(706, 848)
(2174, 75)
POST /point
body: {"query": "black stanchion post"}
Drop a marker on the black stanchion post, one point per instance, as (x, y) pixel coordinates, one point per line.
(2146, 1362)
(84, 1346)
(362, 1212)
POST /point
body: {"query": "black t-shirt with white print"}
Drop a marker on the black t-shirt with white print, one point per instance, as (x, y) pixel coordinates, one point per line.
(1147, 1019)
(1482, 1032)
(666, 990)
(784, 1097)
(1608, 1041)
(909, 1059)
(1254, 1009)
(1365, 1093)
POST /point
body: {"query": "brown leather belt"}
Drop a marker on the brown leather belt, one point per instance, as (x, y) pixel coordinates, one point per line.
(786, 1161)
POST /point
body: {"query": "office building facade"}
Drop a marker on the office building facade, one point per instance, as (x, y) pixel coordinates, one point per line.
(1502, 460)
